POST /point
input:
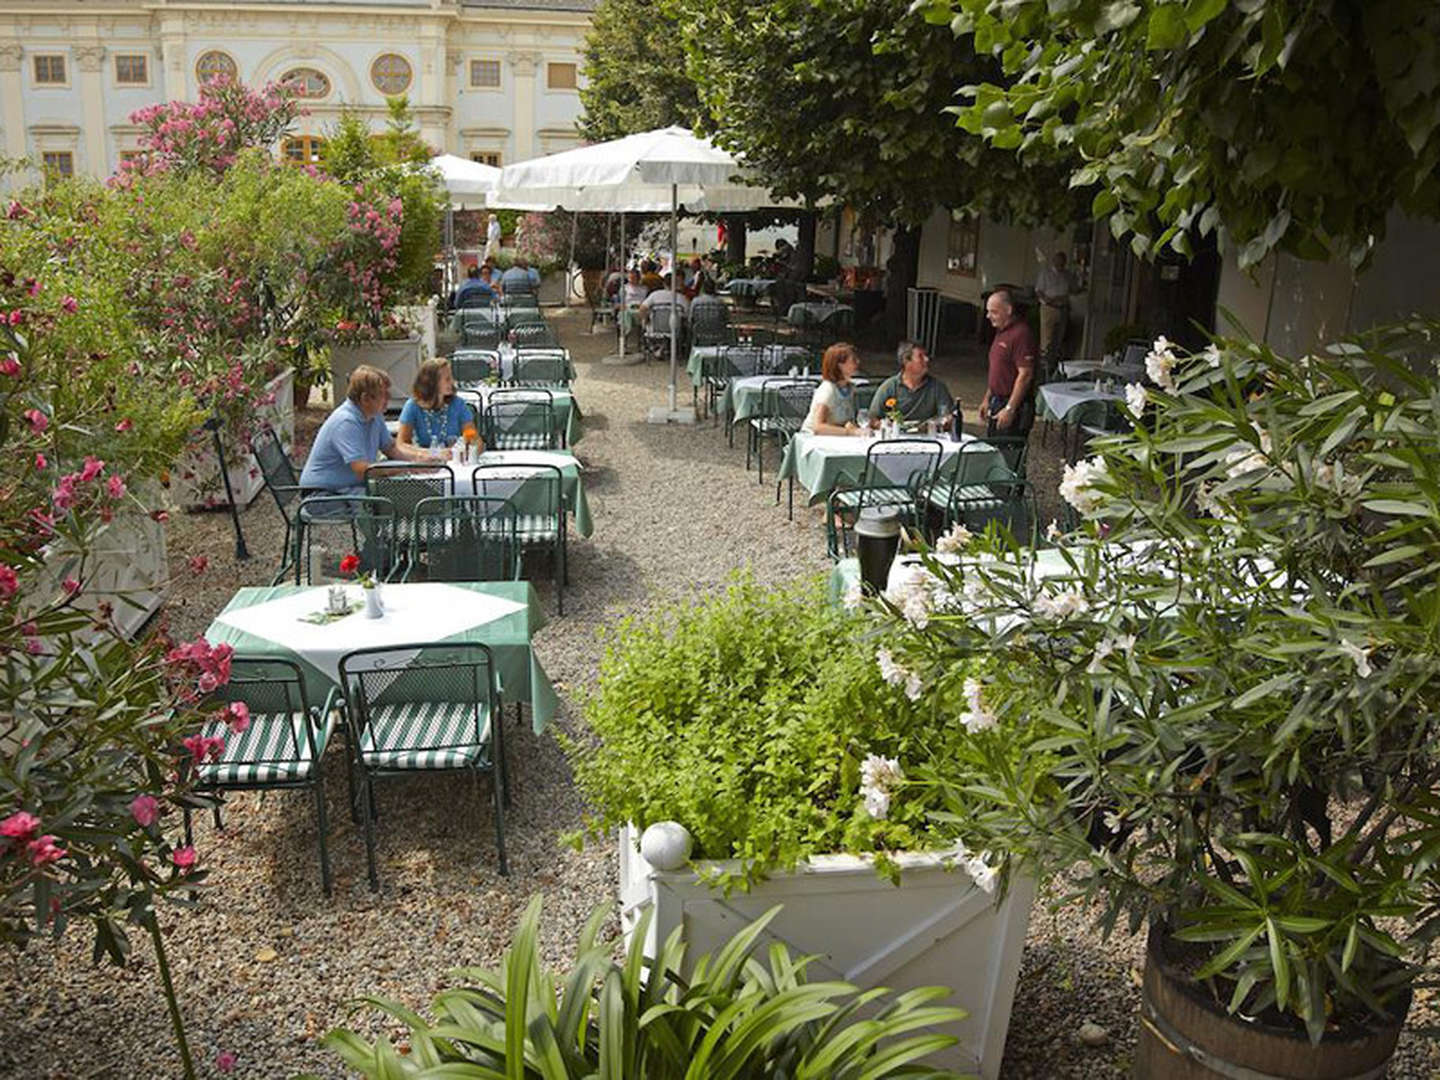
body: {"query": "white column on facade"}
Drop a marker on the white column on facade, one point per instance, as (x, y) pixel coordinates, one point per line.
(522, 68)
(12, 102)
(451, 141)
(90, 60)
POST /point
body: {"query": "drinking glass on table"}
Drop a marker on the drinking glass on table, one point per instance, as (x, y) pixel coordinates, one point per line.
(862, 418)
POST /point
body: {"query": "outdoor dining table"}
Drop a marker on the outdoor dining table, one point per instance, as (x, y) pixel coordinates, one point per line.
(813, 312)
(775, 359)
(748, 288)
(573, 487)
(1057, 399)
(278, 622)
(1082, 369)
(744, 396)
(820, 463)
(563, 407)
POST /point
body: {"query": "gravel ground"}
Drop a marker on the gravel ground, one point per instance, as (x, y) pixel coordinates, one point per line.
(266, 964)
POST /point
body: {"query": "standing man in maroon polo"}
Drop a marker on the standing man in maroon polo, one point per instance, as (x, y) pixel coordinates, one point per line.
(1009, 404)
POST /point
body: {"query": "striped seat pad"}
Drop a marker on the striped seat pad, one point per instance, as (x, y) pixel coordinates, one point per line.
(521, 440)
(878, 496)
(425, 735)
(273, 749)
(976, 495)
(527, 526)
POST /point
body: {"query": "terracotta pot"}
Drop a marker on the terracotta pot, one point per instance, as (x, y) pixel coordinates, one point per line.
(1186, 1035)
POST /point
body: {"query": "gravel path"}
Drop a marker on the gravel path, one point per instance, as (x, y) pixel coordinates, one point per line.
(266, 964)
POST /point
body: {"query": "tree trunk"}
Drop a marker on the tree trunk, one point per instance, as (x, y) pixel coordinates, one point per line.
(735, 239)
(805, 248)
(900, 274)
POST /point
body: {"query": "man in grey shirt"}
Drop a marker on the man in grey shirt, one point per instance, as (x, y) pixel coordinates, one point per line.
(912, 390)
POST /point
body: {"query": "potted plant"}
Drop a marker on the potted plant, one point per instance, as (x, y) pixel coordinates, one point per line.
(728, 1014)
(760, 722)
(1218, 707)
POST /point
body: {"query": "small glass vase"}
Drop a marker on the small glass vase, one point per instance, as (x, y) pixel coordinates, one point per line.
(374, 607)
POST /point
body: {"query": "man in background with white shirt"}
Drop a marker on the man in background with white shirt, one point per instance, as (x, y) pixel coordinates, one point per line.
(1052, 288)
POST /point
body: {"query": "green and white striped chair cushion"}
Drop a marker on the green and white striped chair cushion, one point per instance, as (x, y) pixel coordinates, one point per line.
(527, 526)
(783, 424)
(273, 749)
(976, 496)
(424, 735)
(521, 440)
(886, 496)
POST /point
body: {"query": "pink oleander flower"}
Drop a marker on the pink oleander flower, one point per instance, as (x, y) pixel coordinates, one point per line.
(225, 1061)
(145, 809)
(161, 516)
(239, 717)
(208, 682)
(43, 850)
(33, 646)
(19, 826)
(125, 425)
(9, 582)
(34, 287)
(183, 858)
(71, 586)
(41, 461)
(38, 421)
(198, 564)
(10, 366)
(92, 468)
(63, 497)
(70, 304)
(115, 487)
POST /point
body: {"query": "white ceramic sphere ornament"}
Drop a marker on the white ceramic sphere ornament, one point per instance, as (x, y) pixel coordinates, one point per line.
(666, 845)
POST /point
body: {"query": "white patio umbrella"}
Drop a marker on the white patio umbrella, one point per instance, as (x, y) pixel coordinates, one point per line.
(665, 169)
(466, 182)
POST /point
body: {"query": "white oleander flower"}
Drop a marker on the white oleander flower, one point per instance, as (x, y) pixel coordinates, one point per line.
(910, 591)
(1244, 460)
(1159, 364)
(1206, 502)
(1211, 355)
(1061, 605)
(890, 671)
(1136, 397)
(982, 873)
(877, 803)
(953, 542)
(977, 718)
(880, 772)
(1053, 531)
(914, 687)
(1113, 821)
(1360, 655)
(1077, 484)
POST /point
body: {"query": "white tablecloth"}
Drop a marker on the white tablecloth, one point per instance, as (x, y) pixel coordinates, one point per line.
(422, 612)
(1057, 399)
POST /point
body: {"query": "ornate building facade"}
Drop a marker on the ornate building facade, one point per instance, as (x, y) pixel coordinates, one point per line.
(492, 80)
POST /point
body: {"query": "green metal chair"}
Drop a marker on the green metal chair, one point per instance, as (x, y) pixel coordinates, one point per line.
(405, 484)
(465, 538)
(784, 404)
(282, 746)
(896, 472)
(425, 707)
(282, 480)
(521, 418)
(537, 494)
(329, 527)
(541, 366)
(1092, 420)
(475, 367)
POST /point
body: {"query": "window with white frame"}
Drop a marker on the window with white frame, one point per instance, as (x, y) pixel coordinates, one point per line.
(50, 69)
(132, 69)
(485, 74)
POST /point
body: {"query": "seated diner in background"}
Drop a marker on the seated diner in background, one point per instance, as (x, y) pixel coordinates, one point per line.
(650, 276)
(477, 290)
(353, 437)
(521, 277)
(434, 417)
(912, 391)
(833, 408)
(659, 297)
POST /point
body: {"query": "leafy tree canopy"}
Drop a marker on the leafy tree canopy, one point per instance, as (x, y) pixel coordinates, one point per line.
(635, 71)
(1281, 124)
(845, 99)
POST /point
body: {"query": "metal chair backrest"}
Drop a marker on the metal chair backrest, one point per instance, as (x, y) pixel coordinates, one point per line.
(405, 484)
(512, 424)
(532, 490)
(333, 526)
(1135, 353)
(474, 366)
(737, 361)
(534, 367)
(273, 690)
(900, 462)
(534, 334)
(465, 538)
(450, 673)
(709, 319)
(1015, 449)
(787, 400)
(276, 469)
(840, 321)
(660, 319)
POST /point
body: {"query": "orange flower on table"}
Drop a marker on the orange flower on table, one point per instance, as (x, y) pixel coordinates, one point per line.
(890, 403)
(469, 433)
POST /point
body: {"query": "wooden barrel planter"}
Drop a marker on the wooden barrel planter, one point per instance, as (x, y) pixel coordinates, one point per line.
(1186, 1035)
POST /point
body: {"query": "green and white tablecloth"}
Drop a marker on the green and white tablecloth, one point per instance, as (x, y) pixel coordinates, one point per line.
(563, 406)
(819, 463)
(1057, 399)
(813, 312)
(748, 288)
(570, 478)
(743, 397)
(502, 615)
(774, 359)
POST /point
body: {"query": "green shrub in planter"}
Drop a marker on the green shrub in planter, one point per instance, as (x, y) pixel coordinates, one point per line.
(733, 1017)
(747, 717)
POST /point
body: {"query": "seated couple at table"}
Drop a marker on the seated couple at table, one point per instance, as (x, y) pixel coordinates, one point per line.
(912, 391)
(354, 436)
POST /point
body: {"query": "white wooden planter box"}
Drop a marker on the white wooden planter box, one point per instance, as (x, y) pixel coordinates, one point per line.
(935, 929)
(197, 482)
(401, 359)
(422, 318)
(125, 568)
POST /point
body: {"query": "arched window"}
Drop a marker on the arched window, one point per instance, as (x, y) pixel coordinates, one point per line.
(307, 82)
(391, 73)
(303, 149)
(215, 63)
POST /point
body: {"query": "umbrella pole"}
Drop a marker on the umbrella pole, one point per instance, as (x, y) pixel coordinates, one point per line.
(570, 266)
(675, 308)
(623, 309)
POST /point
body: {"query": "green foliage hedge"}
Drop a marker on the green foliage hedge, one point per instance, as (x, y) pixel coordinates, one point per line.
(746, 717)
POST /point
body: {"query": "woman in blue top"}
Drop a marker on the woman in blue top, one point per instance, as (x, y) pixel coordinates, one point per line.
(433, 416)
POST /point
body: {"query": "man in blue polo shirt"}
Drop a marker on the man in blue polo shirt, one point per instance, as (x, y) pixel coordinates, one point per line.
(352, 437)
